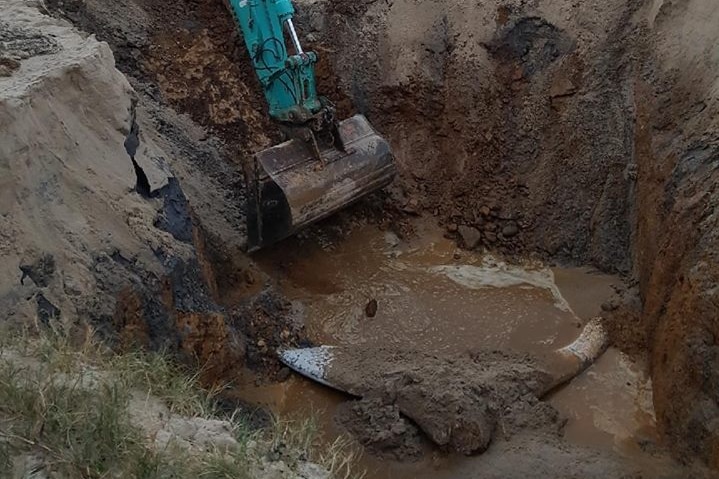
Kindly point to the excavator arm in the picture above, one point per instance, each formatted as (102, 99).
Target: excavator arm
(288, 80)
(326, 164)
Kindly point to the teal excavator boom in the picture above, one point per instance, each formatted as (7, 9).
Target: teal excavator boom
(325, 164)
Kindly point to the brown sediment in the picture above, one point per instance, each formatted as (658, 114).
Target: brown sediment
(217, 350)
(379, 426)
(462, 401)
(458, 401)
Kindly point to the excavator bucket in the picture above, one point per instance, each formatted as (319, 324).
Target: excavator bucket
(290, 188)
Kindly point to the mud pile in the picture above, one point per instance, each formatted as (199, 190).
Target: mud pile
(379, 426)
(458, 401)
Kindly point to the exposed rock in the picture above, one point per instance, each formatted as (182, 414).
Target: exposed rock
(412, 207)
(562, 86)
(510, 230)
(470, 236)
(609, 306)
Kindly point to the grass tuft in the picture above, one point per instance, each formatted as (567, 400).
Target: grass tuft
(224, 466)
(78, 432)
(302, 436)
(166, 380)
(64, 411)
(340, 457)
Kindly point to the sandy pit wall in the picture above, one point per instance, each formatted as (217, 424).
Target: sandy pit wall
(91, 241)
(677, 227)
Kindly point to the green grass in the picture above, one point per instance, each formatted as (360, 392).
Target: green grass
(78, 432)
(177, 387)
(67, 405)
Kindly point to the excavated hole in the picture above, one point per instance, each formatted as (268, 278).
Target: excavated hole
(522, 131)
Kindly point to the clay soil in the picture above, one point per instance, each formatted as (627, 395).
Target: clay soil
(580, 133)
(460, 401)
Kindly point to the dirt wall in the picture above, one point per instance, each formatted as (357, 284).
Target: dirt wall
(511, 120)
(584, 132)
(677, 235)
(101, 229)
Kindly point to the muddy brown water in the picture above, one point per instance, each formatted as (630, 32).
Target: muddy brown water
(432, 296)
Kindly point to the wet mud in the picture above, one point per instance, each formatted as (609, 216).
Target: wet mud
(458, 401)
(523, 307)
(380, 427)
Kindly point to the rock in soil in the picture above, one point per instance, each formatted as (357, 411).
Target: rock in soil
(470, 236)
(510, 230)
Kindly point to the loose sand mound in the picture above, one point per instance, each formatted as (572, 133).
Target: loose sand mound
(88, 236)
(67, 207)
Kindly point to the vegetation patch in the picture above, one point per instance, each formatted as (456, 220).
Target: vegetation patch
(66, 411)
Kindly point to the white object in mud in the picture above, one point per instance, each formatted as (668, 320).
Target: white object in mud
(314, 363)
(590, 344)
(492, 273)
(310, 362)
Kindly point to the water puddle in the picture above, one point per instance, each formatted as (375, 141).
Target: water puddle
(609, 405)
(425, 297)
(433, 297)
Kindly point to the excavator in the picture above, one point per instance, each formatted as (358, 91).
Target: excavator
(325, 164)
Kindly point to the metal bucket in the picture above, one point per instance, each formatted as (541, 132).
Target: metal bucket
(290, 189)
